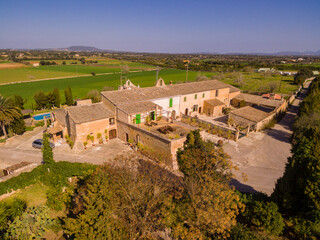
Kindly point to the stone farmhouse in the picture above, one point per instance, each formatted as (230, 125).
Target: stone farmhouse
(141, 115)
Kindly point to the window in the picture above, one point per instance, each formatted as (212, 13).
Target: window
(203, 95)
(138, 118)
(111, 121)
(170, 102)
(217, 93)
(185, 99)
(195, 96)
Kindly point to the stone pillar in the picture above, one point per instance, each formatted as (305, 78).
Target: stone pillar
(248, 130)
(237, 135)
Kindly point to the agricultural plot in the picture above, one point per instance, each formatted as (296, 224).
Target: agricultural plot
(259, 82)
(252, 82)
(28, 73)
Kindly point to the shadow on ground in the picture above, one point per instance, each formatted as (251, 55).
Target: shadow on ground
(280, 135)
(242, 187)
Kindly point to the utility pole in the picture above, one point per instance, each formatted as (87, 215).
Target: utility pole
(121, 78)
(157, 72)
(187, 71)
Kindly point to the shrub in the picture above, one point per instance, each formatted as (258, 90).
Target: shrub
(31, 224)
(55, 198)
(3, 140)
(39, 123)
(264, 216)
(29, 128)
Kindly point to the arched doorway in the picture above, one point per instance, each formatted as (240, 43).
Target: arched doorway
(173, 115)
(186, 111)
(200, 109)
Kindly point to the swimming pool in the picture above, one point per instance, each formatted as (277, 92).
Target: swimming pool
(41, 116)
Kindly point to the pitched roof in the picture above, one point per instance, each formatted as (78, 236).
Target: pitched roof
(149, 93)
(138, 107)
(88, 113)
(215, 102)
(250, 113)
(254, 99)
(60, 116)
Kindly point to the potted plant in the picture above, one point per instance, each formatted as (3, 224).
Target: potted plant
(92, 140)
(106, 138)
(99, 136)
(85, 145)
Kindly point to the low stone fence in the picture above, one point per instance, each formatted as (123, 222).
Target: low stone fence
(211, 127)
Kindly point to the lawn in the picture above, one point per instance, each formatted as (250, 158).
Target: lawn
(259, 82)
(253, 82)
(33, 195)
(30, 73)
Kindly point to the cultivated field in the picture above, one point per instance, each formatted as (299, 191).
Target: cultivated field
(21, 72)
(252, 82)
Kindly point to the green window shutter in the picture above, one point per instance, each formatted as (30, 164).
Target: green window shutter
(153, 115)
(138, 118)
(195, 96)
(185, 99)
(203, 95)
(170, 102)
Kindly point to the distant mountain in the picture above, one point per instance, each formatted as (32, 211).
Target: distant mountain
(83, 49)
(294, 53)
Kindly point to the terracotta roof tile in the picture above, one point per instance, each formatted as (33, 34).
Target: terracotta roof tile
(149, 93)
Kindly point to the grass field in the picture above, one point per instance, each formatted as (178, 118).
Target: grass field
(258, 82)
(82, 85)
(20, 74)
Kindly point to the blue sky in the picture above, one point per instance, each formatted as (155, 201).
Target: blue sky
(173, 26)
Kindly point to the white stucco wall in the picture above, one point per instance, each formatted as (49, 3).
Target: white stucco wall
(164, 103)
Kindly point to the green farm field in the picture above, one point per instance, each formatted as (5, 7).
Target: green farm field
(54, 71)
(80, 86)
(258, 82)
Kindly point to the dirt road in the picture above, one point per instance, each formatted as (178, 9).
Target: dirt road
(262, 156)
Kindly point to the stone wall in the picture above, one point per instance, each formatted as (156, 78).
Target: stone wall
(164, 148)
(210, 127)
(93, 128)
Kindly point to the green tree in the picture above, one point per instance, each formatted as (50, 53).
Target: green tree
(8, 112)
(57, 99)
(47, 154)
(94, 95)
(41, 100)
(32, 224)
(118, 203)
(68, 96)
(18, 126)
(214, 205)
(18, 101)
(264, 216)
(302, 75)
(297, 192)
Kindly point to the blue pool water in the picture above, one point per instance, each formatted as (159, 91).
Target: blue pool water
(41, 116)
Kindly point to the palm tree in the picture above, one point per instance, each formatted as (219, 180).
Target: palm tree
(8, 112)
